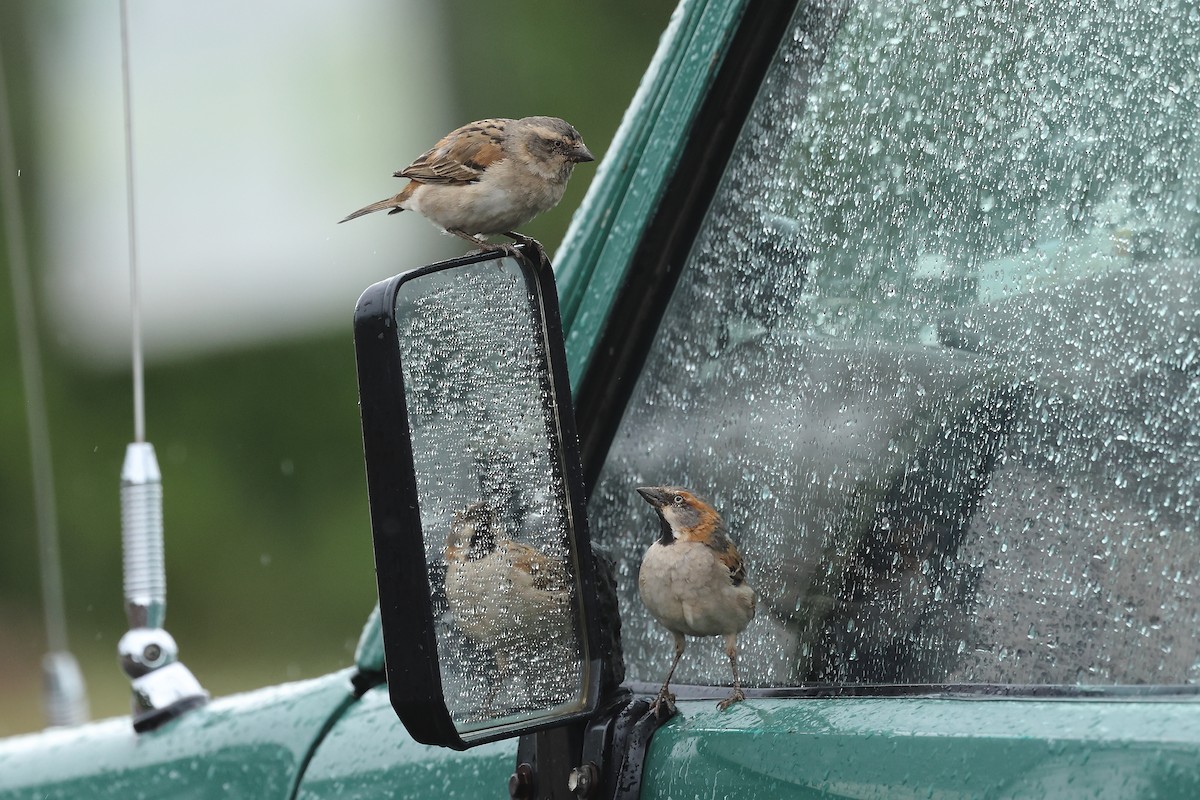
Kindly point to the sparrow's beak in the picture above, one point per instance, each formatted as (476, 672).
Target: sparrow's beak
(582, 154)
(653, 495)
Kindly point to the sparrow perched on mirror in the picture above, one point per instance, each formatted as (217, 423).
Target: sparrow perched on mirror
(504, 595)
(490, 176)
(693, 581)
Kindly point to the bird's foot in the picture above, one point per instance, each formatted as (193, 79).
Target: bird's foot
(737, 696)
(534, 251)
(521, 238)
(484, 246)
(509, 250)
(664, 705)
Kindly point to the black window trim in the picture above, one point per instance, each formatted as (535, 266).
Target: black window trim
(606, 386)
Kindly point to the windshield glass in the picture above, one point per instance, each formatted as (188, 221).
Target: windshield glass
(934, 356)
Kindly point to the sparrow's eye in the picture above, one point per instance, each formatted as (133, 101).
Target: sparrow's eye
(678, 500)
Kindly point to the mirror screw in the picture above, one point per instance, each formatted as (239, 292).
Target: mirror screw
(583, 780)
(520, 783)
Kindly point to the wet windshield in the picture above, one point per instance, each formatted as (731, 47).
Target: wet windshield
(934, 356)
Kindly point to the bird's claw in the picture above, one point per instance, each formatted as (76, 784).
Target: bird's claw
(531, 248)
(522, 239)
(509, 250)
(663, 706)
(737, 696)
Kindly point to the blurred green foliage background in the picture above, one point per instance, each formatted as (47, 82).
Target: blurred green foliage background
(268, 547)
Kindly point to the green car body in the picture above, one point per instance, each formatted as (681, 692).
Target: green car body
(325, 738)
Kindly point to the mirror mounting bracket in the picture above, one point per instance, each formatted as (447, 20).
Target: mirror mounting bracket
(613, 747)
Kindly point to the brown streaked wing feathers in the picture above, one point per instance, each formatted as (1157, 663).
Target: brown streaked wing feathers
(461, 156)
(733, 560)
(548, 573)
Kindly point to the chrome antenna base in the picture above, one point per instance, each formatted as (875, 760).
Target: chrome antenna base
(163, 688)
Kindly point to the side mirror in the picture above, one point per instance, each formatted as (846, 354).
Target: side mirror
(482, 555)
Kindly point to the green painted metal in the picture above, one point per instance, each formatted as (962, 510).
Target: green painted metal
(368, 655)
(369, 755)
(836, 748)
(928, 748)
(600, 242)
(248, 745)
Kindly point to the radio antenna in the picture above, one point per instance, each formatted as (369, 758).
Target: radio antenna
(139, 384)
(163, 688)
(64, 695)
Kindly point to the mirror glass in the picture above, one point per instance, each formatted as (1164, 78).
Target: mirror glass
(494, 509)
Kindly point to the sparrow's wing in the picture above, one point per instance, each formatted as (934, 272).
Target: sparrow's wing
(546, 573)
(737, 568)
(462, 156)
(727, 554)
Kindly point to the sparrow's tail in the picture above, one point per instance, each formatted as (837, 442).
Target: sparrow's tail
(391, 203)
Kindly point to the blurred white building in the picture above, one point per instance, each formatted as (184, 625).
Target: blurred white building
(256, 127)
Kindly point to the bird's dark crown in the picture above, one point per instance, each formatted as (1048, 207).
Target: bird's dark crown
(554, 141)
(553, 128)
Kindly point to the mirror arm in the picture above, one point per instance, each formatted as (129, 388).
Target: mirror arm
(545, 760)
(598, 760)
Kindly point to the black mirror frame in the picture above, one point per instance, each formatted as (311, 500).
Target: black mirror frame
(413, 669)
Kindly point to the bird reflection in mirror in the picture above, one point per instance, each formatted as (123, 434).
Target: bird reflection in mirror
(510, 598)
(693, 580)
